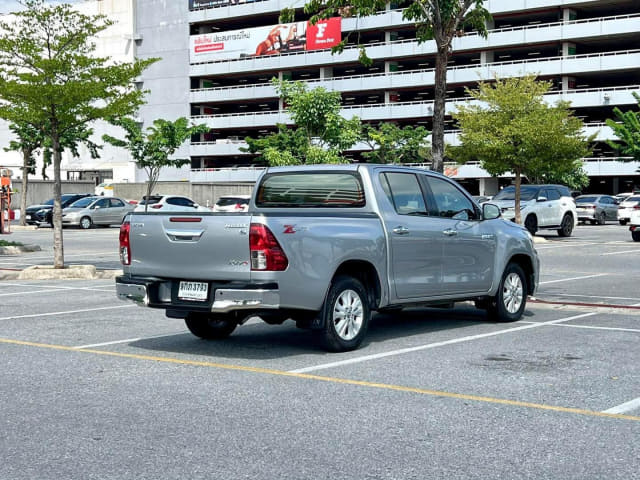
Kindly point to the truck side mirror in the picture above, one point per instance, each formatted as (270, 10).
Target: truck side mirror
(490, 211)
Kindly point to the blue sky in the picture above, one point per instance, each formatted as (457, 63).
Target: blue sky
(8, 6)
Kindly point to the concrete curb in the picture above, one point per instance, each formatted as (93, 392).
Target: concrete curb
(539, 239)
(19, 249)
(71, 272)
(22, 228)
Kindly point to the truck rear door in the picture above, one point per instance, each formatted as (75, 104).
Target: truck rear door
(190, 246)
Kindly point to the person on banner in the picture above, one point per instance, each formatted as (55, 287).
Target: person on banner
(272, 44)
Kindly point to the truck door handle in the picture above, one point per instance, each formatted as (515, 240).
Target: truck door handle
(401, 230)
(450, 232)
(184, 235)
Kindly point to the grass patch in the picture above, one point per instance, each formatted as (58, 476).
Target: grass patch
(4, 243)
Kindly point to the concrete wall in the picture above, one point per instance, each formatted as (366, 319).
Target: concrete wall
(203, 193)
(39, 191)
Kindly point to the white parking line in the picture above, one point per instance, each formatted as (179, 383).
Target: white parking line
(573, 278)
(97, 288)
(625, 407)
(66, 312)
(637, 250)
(376, 356)
(584, 295)
(28, 292)
(589, 327)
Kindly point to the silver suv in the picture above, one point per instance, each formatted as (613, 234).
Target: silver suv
(541, 207)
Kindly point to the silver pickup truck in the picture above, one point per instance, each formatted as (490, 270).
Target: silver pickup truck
(326, 246)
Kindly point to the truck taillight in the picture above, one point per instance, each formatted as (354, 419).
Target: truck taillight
(125, 247)
(266, 253)
(156, 205)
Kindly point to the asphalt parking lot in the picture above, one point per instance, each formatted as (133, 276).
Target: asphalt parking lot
(95, 388)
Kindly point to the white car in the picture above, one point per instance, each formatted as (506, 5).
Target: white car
(232, 203)
(541, 207)
(169, 203)
(627, 207)
(634, 225)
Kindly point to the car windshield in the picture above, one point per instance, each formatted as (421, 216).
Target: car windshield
(509, 193)
(586, 199)
(632, 199)
(82, 203)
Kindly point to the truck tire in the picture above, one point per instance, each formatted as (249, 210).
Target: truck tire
(531, 224)
(511, 299)
(636, 236)
(566, 227)
(345, 315)
(211, 326)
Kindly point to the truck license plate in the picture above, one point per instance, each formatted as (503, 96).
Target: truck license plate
(193, 291)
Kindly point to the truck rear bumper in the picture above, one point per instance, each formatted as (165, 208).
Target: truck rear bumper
(158, 293)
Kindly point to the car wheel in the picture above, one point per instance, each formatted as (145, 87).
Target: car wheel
(636, 236)
(622, 222)
(602, 219)
(566, 227)
(345, 315)
(509, 302)
(85, 223)
(211, 326)
(531, 224)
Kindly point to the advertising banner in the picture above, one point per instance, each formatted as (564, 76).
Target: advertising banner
(269, 40)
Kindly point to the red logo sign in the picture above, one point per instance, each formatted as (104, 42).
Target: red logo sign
(324, 34)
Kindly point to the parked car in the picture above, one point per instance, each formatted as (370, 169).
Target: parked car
(232, 203)
(621, 197)
(105, 189)
(627, 207)
(596, 208)
(169, 203)
(90, 211)
(43, 214)
(634, 225)
(541, 207)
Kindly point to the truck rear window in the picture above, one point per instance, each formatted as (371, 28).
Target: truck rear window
(310, 189)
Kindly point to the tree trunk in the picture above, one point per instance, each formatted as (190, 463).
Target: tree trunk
(439, 105)
(26, 156)
(517, 196)
(58, 245)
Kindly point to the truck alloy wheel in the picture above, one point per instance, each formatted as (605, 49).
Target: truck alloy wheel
(345, 315)
(509, 303)
(566, 227)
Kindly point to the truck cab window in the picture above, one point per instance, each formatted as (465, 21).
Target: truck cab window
(450, 201)
(403, 189)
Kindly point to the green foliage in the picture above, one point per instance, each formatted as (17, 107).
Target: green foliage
(152, 148)
(5, 243)
(51, 79)
(29, 141)
(512, 129)
(320, 133)
(626, 127)
(392, 144)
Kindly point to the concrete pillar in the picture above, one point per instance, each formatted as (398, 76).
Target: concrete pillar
(568, 83)
(569, 15)
(568, 48)
(486, 57)
(326, 72)
(488, 186)
(390, 67)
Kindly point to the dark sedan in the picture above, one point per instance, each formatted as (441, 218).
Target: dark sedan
(596, 208)
(43, 214)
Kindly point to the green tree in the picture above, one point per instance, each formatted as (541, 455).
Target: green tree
(320, 134)
(512, 129)
(392, 144)
(51, 78)
(438, 20)
(626, 127)
(28, 141)
(152, 148)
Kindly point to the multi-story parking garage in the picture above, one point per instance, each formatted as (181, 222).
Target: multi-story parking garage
(586, 48)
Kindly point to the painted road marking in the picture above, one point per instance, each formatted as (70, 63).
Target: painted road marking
(637, 250)
(574, 278)
(343, 381)
(66, 312)
(376, 356)
(590, 327)
(625, 407)
(585, 296)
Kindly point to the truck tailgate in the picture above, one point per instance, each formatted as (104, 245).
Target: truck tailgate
(194, 247)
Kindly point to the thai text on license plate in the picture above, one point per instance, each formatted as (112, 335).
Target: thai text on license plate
(193, 291)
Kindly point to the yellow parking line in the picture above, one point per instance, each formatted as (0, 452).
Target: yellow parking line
(344, 381)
